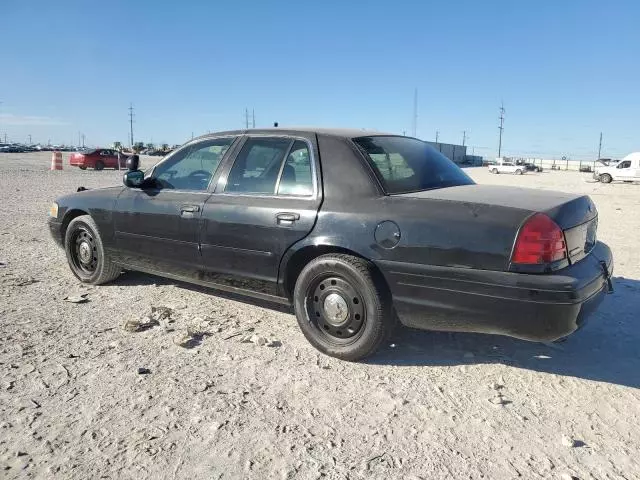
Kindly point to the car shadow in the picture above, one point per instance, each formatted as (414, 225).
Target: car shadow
(606, 349)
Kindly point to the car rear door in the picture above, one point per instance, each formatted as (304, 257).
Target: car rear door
(158, 227)
(266, 200)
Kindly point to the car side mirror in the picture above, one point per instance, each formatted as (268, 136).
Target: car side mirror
(133, 178)
(133, 162)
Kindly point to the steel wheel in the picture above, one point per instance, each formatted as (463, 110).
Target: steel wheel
(343, 306)
(84, 252)
(336, 308)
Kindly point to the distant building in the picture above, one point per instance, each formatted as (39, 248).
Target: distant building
(457, 153)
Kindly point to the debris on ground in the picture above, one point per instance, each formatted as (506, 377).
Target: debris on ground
(161, 313)
(82, 298)
(141, 325)
(143, 371)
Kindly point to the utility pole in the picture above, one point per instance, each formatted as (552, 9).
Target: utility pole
(79, 138)
(29, 139)
(437, 133)
(501, 127)
(246, 118)
(131, 115)
(600, 147)
(83, 140)
(253, 123)
(415, 112)
(464, 137)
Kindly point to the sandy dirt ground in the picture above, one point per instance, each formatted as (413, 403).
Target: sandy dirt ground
(427, 406)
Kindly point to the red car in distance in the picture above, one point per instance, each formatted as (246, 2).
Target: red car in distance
(98, 159)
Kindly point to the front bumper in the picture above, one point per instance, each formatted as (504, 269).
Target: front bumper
(530, 307)
(55, 228)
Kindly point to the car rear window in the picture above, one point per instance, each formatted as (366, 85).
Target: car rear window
(406, 165)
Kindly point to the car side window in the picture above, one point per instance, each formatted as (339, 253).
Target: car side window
(296, 178)
(625, 164)
(192, 167)
(257, 166)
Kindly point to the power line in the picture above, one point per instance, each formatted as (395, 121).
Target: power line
(501, 127)
(415, 112)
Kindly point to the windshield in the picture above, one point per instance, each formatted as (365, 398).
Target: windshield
(406, 165)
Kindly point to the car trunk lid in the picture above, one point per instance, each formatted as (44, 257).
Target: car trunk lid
(576, 215)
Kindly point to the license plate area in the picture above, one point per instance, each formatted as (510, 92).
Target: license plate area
(581, 239)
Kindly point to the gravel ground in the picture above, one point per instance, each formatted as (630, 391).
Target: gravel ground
(217, 403)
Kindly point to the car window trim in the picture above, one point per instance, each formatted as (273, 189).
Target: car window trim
(312, 161)
(282, 164)
(208, 189)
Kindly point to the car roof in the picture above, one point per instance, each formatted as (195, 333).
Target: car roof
(336, 132)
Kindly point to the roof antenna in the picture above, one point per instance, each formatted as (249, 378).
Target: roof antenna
(275, 124)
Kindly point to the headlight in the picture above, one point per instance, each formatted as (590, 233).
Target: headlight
(53, 210)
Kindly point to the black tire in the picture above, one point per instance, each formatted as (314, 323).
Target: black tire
(518, 172)
(81, 239)
(99, 165)
(83, 168)
(369, 316)
(606, 178)
(495, 170)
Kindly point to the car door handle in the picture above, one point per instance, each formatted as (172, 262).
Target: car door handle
(189, 209)
(287, 218)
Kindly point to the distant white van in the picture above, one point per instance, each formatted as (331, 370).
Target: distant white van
(626, 170)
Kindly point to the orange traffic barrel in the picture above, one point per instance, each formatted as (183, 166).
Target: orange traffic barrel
(56, 160)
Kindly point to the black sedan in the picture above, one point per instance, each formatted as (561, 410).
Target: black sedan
(354, 229)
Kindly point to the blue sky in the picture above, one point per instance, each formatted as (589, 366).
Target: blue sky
(566, 70)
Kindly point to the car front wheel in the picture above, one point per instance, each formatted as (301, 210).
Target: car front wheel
(495, 170)
(83, 168)
(343, 306)
(85, 252)
(518, 172)
(606, 178)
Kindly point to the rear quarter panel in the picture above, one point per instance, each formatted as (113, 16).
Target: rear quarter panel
(432, 231)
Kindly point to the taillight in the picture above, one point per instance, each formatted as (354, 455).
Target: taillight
(540, 241)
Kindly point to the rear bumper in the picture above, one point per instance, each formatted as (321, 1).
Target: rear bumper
(530, 307)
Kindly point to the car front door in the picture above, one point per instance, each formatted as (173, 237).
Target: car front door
(624, 171)
(157, 227)
(266, 200)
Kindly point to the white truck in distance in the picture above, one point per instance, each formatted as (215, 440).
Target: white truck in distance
(505, 166)
(626, 170)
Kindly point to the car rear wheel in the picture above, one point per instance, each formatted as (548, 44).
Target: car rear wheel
(495, 170)
(343, 306)
(606, 178)
(85, 252)
(83, 168)
(99, 165)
